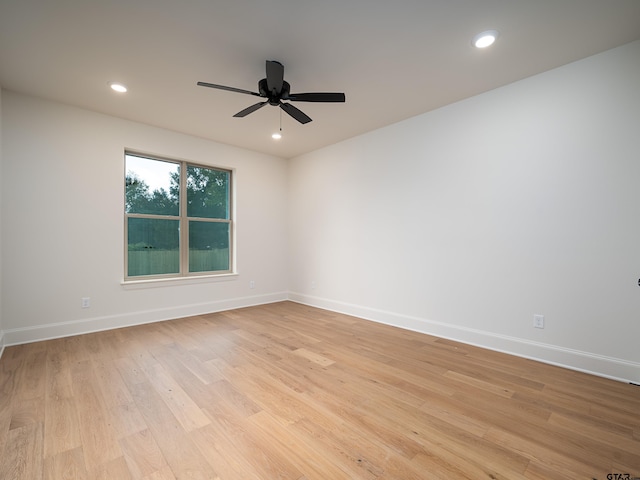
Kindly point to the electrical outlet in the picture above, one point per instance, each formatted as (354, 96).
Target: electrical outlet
(252, 284)
(313, 285)
(85, 302)
(538, 321)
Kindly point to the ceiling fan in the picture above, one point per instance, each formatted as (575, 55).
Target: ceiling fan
(275, 90)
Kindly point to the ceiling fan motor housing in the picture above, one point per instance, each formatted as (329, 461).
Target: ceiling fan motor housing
(274, 97)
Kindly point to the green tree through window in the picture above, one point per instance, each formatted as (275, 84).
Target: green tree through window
(165, 237)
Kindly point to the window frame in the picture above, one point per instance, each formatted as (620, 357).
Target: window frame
(183, 223)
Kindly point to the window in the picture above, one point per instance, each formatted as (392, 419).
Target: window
(177, 218)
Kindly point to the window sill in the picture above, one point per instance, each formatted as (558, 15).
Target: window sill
(169, 282)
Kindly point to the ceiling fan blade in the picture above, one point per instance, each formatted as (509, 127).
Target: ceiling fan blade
(230, 89)
(251, 109)
(317, 97)
(299, 115)
(275, 76)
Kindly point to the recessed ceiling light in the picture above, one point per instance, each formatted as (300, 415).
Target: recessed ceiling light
(118, 87)
(485, 39)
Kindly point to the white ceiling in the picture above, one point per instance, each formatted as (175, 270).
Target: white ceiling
(393, 60)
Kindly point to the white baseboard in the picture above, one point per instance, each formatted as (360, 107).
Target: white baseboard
(609, 367)
(38, 333)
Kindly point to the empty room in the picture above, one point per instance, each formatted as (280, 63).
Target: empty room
(319, 240)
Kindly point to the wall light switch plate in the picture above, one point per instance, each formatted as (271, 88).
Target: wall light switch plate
(538, 321)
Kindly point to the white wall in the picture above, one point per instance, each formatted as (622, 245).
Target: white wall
(466, 221)
(62, 223)
(462, 222)
(1, 203)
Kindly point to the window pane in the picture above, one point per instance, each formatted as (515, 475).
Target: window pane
(208, 246)
(152, 186)
(207, 192)
(153, 246)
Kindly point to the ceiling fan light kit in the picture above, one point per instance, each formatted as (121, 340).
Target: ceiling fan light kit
(274, 89)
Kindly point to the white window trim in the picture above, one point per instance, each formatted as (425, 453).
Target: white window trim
(174, 281)
(184, 277)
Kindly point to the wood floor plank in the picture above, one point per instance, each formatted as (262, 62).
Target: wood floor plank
(226, 459)
(229, 436)
(32, 382)
(58, 372)
(314, 357)
(62, 426)
(279, 441)
(22, 458)
(490, 387)
(205, 372)
(116, 468)
(287, 391)
(371, 427)
(99, 442)
(10, 365)
(245, 403)
(176, 447)
(113, 390)
(188, 413)
(442, 463)
(359, 457)
(142, 454)
(165, 474)
(200, 392)
(268, 393)
(27, 412)
(562, 465)
(595, 441)
(66, 465)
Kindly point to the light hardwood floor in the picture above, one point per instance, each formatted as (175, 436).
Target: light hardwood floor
(285, 391)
